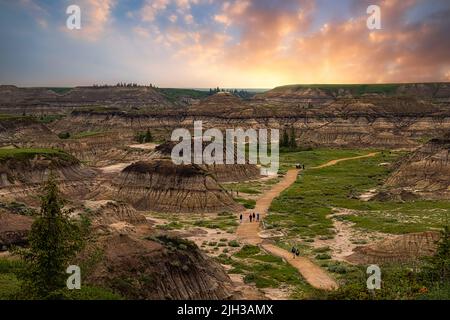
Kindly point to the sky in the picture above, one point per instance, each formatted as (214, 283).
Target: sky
(230, 44)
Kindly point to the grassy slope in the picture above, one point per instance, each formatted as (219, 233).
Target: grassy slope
(28, 153)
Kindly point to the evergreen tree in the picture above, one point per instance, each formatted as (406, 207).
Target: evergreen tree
(285, 139)
(292, 141)
(148, 136)
(53, 241)
(437, 267)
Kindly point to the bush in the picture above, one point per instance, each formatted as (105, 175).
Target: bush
(323, 256)
(64, 135)
(233, 243)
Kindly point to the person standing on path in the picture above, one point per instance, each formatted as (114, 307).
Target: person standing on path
(293, 250)
(240, 218)
(254, 219)
(250, 217)
(297, 252)
(257, 216)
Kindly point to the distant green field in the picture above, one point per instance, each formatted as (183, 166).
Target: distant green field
(28, 153)
(175, 94)
(59, 90)
(11, 117)
(85, 134)
(356, 89)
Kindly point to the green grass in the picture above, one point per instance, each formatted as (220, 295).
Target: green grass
(174, 95)
(13, 117)
(29, 153)
(312, 158)
(356, 89)
(303, 208)
(247, 203)
(49, 118)
(85, 134)
(59, 90)
(10, 287)
(266, 271)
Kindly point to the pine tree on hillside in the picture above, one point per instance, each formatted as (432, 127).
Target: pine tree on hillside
(285, 139)
(53, 241)
(148, 136)
(292, 141)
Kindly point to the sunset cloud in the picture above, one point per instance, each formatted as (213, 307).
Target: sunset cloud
(262, 43)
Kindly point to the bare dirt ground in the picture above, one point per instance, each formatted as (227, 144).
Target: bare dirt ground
(347, 238)
(144, 146)
(115, 168)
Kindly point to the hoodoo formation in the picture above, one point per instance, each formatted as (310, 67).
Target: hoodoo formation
(403, 248)
(426, 171)
(159, 268)
(160, 185)
(24, 171)
(222, 172)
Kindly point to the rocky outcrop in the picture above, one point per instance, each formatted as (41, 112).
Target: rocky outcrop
(14, 229)
(426, 171)
(20, 130)
(160, 185)
(403, 248)
(23, 172)
(221, 172)
(160, 268)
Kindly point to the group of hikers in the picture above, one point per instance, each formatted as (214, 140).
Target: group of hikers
(251, 217)
(300, 166)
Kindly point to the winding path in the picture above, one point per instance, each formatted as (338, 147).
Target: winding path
(248, 232)
(333, 162)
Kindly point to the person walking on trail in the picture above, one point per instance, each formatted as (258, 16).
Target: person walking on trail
(257, 216)
(240, 218)
(303, 167)
(293, 250)
(297, 252)
(254, 217)
(250, 217)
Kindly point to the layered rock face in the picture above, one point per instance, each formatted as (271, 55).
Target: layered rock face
(403, 248)
(23, 130)
(162, 186)
(23, 175)
(426, 171)
(14, 229)
(165, 268)
(33, 100)
(341, 116)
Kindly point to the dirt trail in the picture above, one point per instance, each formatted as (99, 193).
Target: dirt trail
(312, 273)
(333, 162)
(248, 232)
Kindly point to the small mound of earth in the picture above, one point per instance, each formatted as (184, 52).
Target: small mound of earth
(163, 268)
(110, 212)
(162, 186)
(403, 248)
(14, 230)
(398, 195)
